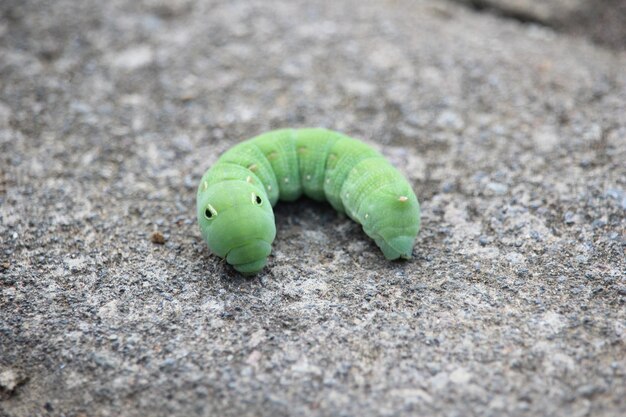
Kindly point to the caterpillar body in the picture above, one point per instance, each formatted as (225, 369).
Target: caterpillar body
(236, 195)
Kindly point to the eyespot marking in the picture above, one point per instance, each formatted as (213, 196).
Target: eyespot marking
(403, 199)
(209, 212)
(256, 199)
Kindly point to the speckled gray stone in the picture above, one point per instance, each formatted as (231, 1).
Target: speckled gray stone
(541, 10)
(602, 21)
(513, 136)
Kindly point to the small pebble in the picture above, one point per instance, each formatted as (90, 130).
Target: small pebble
(157, 237)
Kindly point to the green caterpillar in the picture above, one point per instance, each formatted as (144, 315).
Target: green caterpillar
(236, 195)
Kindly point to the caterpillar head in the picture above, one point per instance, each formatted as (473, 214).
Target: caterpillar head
(237, 223)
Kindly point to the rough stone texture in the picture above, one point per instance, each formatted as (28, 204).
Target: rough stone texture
(513, 136)
(599, 20)
(542, 10)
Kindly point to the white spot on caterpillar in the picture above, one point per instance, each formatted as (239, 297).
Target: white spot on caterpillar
(366, 215)
(205, 185)
(252, 167)
(249, 179)
(328, 181)
(308, 178)
(286, 180)
(347, 195)
(403, 199)
(269, 187)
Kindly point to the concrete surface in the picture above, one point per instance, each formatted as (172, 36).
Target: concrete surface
(601, 21)
(513, 135)
(538, 10)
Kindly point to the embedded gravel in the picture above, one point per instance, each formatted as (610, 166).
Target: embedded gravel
(513, 136)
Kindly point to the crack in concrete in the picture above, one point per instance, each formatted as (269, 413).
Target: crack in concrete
(508, 12)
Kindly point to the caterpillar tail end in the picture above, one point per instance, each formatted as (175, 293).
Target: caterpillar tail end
(400, 247)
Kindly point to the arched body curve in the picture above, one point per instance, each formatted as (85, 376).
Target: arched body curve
(236, 195)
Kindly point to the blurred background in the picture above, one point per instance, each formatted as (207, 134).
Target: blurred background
(508, 117)
(601, 21)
